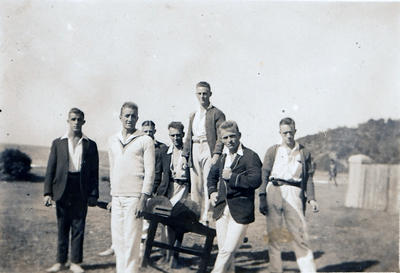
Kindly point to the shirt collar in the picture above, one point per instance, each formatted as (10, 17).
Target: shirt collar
(239, 150)
(295, 148)
(137, 133)
(170, 149)
(201, 109)
(66, 136)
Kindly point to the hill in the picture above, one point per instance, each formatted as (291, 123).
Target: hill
(377, 139)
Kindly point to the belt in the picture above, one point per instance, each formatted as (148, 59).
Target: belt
(74, 173)
(199, 140)
(180, 181)
(279, 182)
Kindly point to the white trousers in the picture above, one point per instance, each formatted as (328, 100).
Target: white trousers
(230, 235)
(126, 231)
(198, 175)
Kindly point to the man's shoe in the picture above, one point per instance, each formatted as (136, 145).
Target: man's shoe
(107, 252)
(76, 268)
(56, 267)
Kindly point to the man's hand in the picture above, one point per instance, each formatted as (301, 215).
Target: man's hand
(263, 205)
(47, 201)
(92, 201)
(214, 159)
(227, 173)
(141, 205)
(109, 205)
(213, 198)
(314, 205)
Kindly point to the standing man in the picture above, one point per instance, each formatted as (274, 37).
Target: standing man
(332, 171)
(72, 181)
(238, 173)
(202, 146)
(132, 160)
(287, 184)
(175, 182)
(149, 128)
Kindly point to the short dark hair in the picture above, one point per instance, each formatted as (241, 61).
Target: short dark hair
(204, 84)
(176, 125)
(131, 105)
(229, 124)
(77, 111)
(287, 121)
(149, 123)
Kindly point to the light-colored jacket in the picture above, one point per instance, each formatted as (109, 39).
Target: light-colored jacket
(131, 164)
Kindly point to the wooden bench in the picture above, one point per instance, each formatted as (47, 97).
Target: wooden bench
(180, 226)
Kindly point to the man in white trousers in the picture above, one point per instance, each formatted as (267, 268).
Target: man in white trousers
(132, 161)
(231, 184)
(286, 187)
(202, 146)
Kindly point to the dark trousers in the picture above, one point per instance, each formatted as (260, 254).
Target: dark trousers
(71, 216)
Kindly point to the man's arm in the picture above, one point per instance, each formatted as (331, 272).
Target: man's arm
(158, 167)
(51, 170)
(219, 146)
(268, 163)
(94, 177)
(188, 139)
(212, 182)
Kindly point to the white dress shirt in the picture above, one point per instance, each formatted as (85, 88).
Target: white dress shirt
(75, 154)
(199, 122)
(287, 164)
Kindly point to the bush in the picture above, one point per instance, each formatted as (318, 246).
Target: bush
(14, 165)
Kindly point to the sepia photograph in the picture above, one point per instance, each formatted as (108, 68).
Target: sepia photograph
(199, 136)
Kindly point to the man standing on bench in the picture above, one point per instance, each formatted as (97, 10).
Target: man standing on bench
(238, 172)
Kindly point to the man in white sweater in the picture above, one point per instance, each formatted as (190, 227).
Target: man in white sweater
(132, 160)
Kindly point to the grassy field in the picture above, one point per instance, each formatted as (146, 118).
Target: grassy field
(342, 239)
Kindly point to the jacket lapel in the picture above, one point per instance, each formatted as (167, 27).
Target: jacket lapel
(85, 148)
(64, 149)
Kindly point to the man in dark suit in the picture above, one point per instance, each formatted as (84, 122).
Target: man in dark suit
(72, 182)
(238, 173)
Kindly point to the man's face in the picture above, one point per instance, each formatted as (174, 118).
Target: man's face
(231, 139)
(287, 133)
(128, 118)
(203, 94)
(176, 137)
(75, 122)
(149, 130)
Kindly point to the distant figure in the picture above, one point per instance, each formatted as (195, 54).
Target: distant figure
(72, 180)
(286, 186)
(202, 146)
(132, 161)
(332, 171)
(175, 182)
(231, 184)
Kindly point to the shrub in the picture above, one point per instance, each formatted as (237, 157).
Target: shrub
(14, 165)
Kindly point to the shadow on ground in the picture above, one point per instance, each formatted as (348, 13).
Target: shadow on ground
(349, 266)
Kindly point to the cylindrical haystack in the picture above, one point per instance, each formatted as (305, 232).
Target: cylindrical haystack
(372, 186)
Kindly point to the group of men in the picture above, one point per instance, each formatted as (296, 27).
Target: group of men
(211, 163)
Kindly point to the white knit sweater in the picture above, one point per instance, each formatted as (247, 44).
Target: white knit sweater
(131, 164)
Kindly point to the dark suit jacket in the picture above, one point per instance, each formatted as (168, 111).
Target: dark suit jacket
(159, 149)
(57, 170)
(307, 183)
(166, 177)
(239, 190)
(214, 117)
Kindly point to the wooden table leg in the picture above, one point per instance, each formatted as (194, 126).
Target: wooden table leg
(149, 242)
(206, 253)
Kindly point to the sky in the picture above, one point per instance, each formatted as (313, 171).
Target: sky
(325, 64)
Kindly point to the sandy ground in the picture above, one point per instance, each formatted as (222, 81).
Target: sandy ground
(342, 239)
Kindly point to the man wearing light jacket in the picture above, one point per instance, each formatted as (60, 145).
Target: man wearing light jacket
(132, 161)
